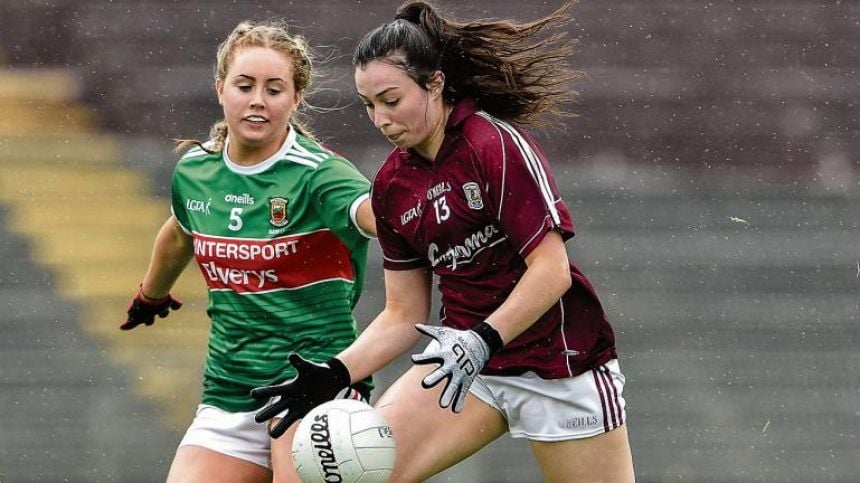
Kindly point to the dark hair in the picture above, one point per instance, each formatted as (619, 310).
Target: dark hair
(514, 71)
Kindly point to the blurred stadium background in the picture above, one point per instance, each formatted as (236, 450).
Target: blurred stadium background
(713, 174)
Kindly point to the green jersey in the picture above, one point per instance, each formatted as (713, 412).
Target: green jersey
(283, 258)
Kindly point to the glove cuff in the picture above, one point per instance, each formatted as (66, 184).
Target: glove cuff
(341, 373)
(149, 300)
(489, 335)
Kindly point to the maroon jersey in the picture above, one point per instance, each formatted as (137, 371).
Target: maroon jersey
(473, 215)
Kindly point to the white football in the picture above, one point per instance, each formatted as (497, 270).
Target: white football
(345, 441)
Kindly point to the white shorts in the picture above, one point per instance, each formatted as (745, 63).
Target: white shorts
(557, 409)
(236, 434)
(232, 434)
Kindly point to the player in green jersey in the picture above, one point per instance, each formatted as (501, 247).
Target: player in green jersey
(279, 228)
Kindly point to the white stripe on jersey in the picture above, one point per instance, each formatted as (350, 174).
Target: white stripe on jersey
(504, 160)
(567, 350)
(538, 232)
(282, 289)
(402, 261)
(353, 214)
(307, 162)
(536, 169)
(181, 226)
(193, 152)
(532, 163)
(298, 149)
(233, 238)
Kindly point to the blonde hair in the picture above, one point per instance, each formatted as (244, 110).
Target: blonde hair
(272, 34)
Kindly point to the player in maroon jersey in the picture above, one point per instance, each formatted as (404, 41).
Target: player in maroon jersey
(524, 346)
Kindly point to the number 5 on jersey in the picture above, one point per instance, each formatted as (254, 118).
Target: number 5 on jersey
(442, 210)
(235, 220)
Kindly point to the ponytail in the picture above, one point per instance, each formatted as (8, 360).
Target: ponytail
(514, 71)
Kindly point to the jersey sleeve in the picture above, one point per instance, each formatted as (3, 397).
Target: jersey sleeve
(397, 254)
(177, 207)
(522, 192)
(338, 188)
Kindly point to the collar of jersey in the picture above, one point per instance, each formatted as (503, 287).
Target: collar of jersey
(463, 109)
(265, 164)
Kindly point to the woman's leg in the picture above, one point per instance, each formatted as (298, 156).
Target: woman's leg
(282, 456)
(603, 458)
(430, 439)
(222, 446)
(282, 448)
(193, 464)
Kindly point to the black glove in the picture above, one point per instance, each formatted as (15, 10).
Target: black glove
(142, 309)
(461, 354)
(313, 385)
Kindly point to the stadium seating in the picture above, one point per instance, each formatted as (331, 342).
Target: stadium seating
(90, 219)
(71, 411)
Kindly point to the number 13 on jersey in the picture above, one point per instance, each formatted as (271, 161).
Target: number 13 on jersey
(442, 210)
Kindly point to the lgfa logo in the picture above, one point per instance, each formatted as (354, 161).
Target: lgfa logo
(278, 211)
(198, 205)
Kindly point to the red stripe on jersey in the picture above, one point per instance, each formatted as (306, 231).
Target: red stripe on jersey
(253, 265)
(599, 387)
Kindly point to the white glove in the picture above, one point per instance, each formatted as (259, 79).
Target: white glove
(461, 354)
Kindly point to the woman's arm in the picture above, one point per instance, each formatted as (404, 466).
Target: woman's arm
(392, 332)
(365, 219)
(544, 282)
(460, 354)
(170, 255)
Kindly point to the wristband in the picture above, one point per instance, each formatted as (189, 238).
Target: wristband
(150, 300)
(489, 335)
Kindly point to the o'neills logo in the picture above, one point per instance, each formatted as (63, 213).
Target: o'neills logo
(322, 446)
(243, 199)
(278, 211)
